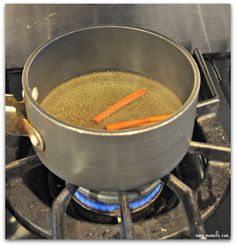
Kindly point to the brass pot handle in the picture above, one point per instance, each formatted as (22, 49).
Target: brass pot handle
(17, 124)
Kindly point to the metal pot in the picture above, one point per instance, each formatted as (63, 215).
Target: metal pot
(101, 160)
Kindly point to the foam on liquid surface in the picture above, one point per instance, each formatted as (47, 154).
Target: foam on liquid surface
(78, 100)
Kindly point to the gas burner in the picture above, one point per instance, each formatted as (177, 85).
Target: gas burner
(103, 206)
(108, 202)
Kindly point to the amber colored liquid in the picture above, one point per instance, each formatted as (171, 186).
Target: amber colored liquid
(78, 100)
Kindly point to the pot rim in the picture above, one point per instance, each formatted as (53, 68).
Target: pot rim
(125, 132)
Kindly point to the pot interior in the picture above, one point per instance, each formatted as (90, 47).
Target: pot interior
(79, 100)
(110, 49)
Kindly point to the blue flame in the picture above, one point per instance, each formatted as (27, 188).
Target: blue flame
(111, 207)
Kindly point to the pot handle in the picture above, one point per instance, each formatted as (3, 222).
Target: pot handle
(17, 124)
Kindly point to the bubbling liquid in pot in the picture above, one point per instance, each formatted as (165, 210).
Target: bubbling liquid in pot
(78, 100)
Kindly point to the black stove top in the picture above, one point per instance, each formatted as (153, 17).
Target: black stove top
(194, 202)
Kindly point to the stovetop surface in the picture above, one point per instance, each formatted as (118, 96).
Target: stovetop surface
(219, 68)
(220, 71)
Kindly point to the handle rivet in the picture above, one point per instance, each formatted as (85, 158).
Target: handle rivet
(119, 219)
(35, 93)
(34, 140)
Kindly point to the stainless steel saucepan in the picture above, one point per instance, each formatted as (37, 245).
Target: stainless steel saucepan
(102, 160)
